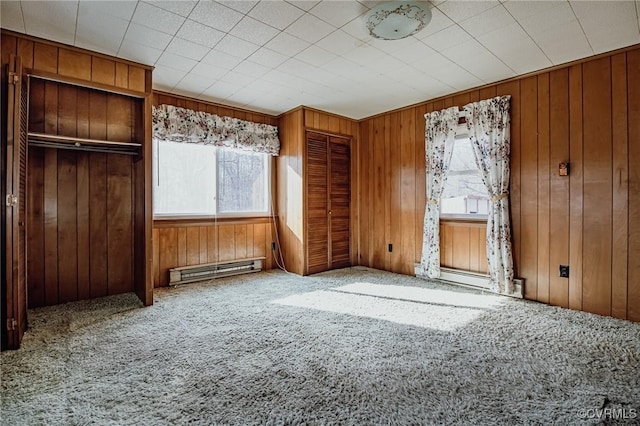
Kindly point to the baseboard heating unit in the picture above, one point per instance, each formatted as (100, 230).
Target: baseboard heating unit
(207, 271)
(472, 280)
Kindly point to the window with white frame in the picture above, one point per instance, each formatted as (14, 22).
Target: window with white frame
(203, 180)
(464, 192)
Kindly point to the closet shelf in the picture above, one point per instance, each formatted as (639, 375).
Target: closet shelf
(83, 144)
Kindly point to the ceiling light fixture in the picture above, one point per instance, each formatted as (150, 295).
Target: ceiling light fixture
(397, 20)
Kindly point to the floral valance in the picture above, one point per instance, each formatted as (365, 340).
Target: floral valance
(185, 125)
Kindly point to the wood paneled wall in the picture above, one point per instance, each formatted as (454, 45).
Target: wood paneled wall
(588, 114)
(186, 242)
(182, 244)
(464, 245)
(89, 220)
(80, 204)
(291, 197)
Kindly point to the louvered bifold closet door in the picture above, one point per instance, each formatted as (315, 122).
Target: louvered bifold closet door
(339, 202)
(317, 203)
(15, 297)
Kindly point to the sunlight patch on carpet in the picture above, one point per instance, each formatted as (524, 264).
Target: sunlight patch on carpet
(433, 309)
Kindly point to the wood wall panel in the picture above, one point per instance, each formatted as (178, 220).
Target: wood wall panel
(587, 114)
(81, 247)
(463, 245)
(633, 271)
(182, 244)
(596, 96)
(81, 203)
(558, 186)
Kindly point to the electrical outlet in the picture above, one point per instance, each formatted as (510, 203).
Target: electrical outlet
(390, 248)
(564, 271)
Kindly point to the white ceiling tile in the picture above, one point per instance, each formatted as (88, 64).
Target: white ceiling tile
(193, 83)
(199, 33)
(238, 79)
(366, 56)
(526, 9)
(221, 59)
(447, 38)
(267, 57)
(619, 35)
(521, 55)
(147, 36)
(276, 76)
(314, 55)
(295, 67)
(574, 43)
(338, 13)
(242, 6)
(156, 18)
(304, 4)
(439, 21)
(182, 7)
(122, 9)
(254, 31)
(310, 28)
(412, 52)
(287, 44)
(338, 42)
(357, 29)
(603, 13)
(167, 77)
(11, 16)
(548, 20)
(480, 62)
(102, 33)
(51, 20)
(210, 72)
(391, 46)
(428, 62)
(215, 15)
(277, 14)
(251, 68)
(236, 47)
(138, 52)
(187, 49)
(455, 76)
(487, 21)
(459, 10)
(220, 90)
(176, 61)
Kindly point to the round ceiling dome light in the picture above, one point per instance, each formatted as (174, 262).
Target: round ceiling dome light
(398, 19)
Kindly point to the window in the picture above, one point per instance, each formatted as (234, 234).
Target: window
(464, 193)
(202, 180)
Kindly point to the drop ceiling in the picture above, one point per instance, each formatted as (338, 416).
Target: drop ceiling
(271, 56)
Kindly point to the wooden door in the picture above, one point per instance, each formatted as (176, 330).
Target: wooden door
(16, 167)
(339, 203)
(328, 187)
(317, 203)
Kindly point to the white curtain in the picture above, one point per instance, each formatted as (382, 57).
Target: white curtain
(439, 138)
(488, 124)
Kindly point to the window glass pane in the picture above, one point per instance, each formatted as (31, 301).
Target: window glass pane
(184, 178)
(242, 181)
(464, 192)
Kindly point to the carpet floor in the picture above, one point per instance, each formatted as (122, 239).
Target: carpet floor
(353, 346)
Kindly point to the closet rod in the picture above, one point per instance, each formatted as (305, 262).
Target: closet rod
(68, 140)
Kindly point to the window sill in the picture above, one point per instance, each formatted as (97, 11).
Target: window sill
(186, 221)
(461, 220)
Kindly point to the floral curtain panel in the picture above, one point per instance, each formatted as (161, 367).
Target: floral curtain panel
(439, 138)
(184, 125)
(488, 123)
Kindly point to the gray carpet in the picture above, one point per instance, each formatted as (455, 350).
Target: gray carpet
(353, 346)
